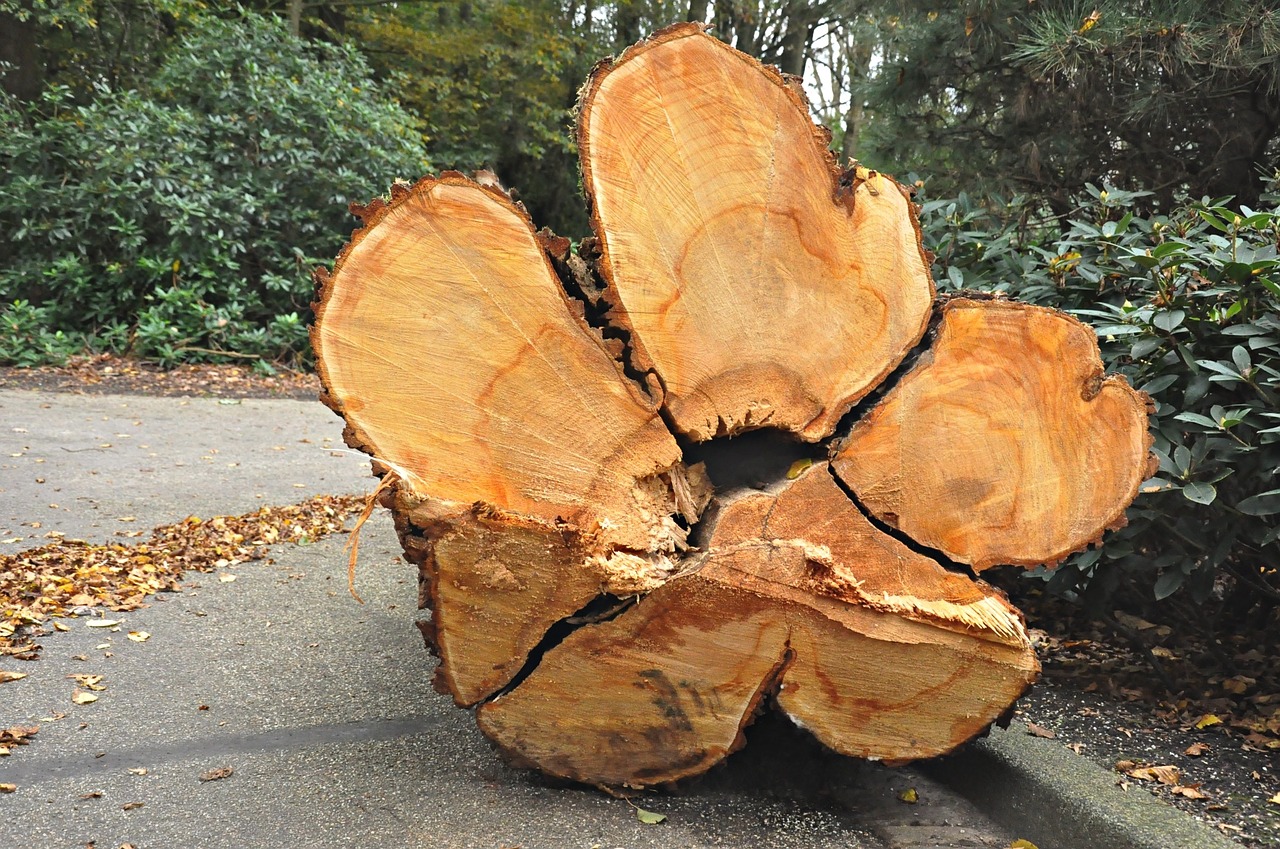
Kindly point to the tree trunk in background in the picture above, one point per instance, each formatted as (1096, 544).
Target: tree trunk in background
(795, 40)
(19, 47)
(859, 62)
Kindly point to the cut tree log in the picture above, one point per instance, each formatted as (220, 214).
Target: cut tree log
(996, 465)
(616, 612)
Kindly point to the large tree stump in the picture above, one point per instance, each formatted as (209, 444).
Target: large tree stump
(617, 613)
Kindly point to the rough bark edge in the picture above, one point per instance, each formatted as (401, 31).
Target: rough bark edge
(844, 186)
(965, 299)
(372, 214)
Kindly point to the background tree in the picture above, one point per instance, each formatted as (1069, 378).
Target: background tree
(495, 85)
(182, 220)
(1165, 96)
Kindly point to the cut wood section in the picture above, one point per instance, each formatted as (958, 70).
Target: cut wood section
(1005, 444)
(797, 599)
(450, 348)
(498, 584)
(760, 291)
(748, 284)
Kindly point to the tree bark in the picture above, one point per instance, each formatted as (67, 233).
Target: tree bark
(19, 48)
(615, 612)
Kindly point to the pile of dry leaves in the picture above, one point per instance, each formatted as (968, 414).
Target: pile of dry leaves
(1190, 680)
(1189, 715)
(65, 578)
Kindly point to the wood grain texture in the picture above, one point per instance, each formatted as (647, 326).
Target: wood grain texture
(664, 690)
(448, 345)
(498, 584)
(610, 617)
(759, 290)
(1005, 444)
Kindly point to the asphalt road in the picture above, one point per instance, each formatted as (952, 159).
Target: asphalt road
(322, 707)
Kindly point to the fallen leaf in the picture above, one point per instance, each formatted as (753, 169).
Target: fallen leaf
(1137, 623)
(129, 806)
(1040, 731)
(649, 817)
(1206, 721)
(1238, 685)
(1275, 800)
(1195, 750)
(1190, 792)
(93, 794)
(1078, 748)
(137, 770)
(8, 788)
(1163, 774)
(61, 626)
(1020, 843)
(139, 636)
(102, 623)
(1125, 766)
(798, 467)
(910, 796)
(80, 697)
(216, 774)
(11, 676)
(226, 579)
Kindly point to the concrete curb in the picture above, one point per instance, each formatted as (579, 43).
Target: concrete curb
(1059, 800)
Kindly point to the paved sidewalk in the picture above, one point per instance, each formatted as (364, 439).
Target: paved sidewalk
(323, 707)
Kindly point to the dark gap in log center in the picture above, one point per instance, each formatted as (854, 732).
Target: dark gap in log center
(602, 608)
(757, 459)
(889, 530)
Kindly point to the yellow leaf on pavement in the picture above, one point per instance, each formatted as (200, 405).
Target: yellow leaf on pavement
(910, 796)
(81, 697)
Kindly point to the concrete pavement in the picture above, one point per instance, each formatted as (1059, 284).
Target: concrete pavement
(323, 707)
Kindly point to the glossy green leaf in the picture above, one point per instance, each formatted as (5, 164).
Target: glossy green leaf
(1200, 493)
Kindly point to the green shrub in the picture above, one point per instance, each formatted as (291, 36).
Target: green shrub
(1188, 308)
(194, 210)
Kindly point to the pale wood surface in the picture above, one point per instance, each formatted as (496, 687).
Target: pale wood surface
(537, 482)
(498, 584)
(759, 291)
(1005, 444)
(665, 689)
(451, 349)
